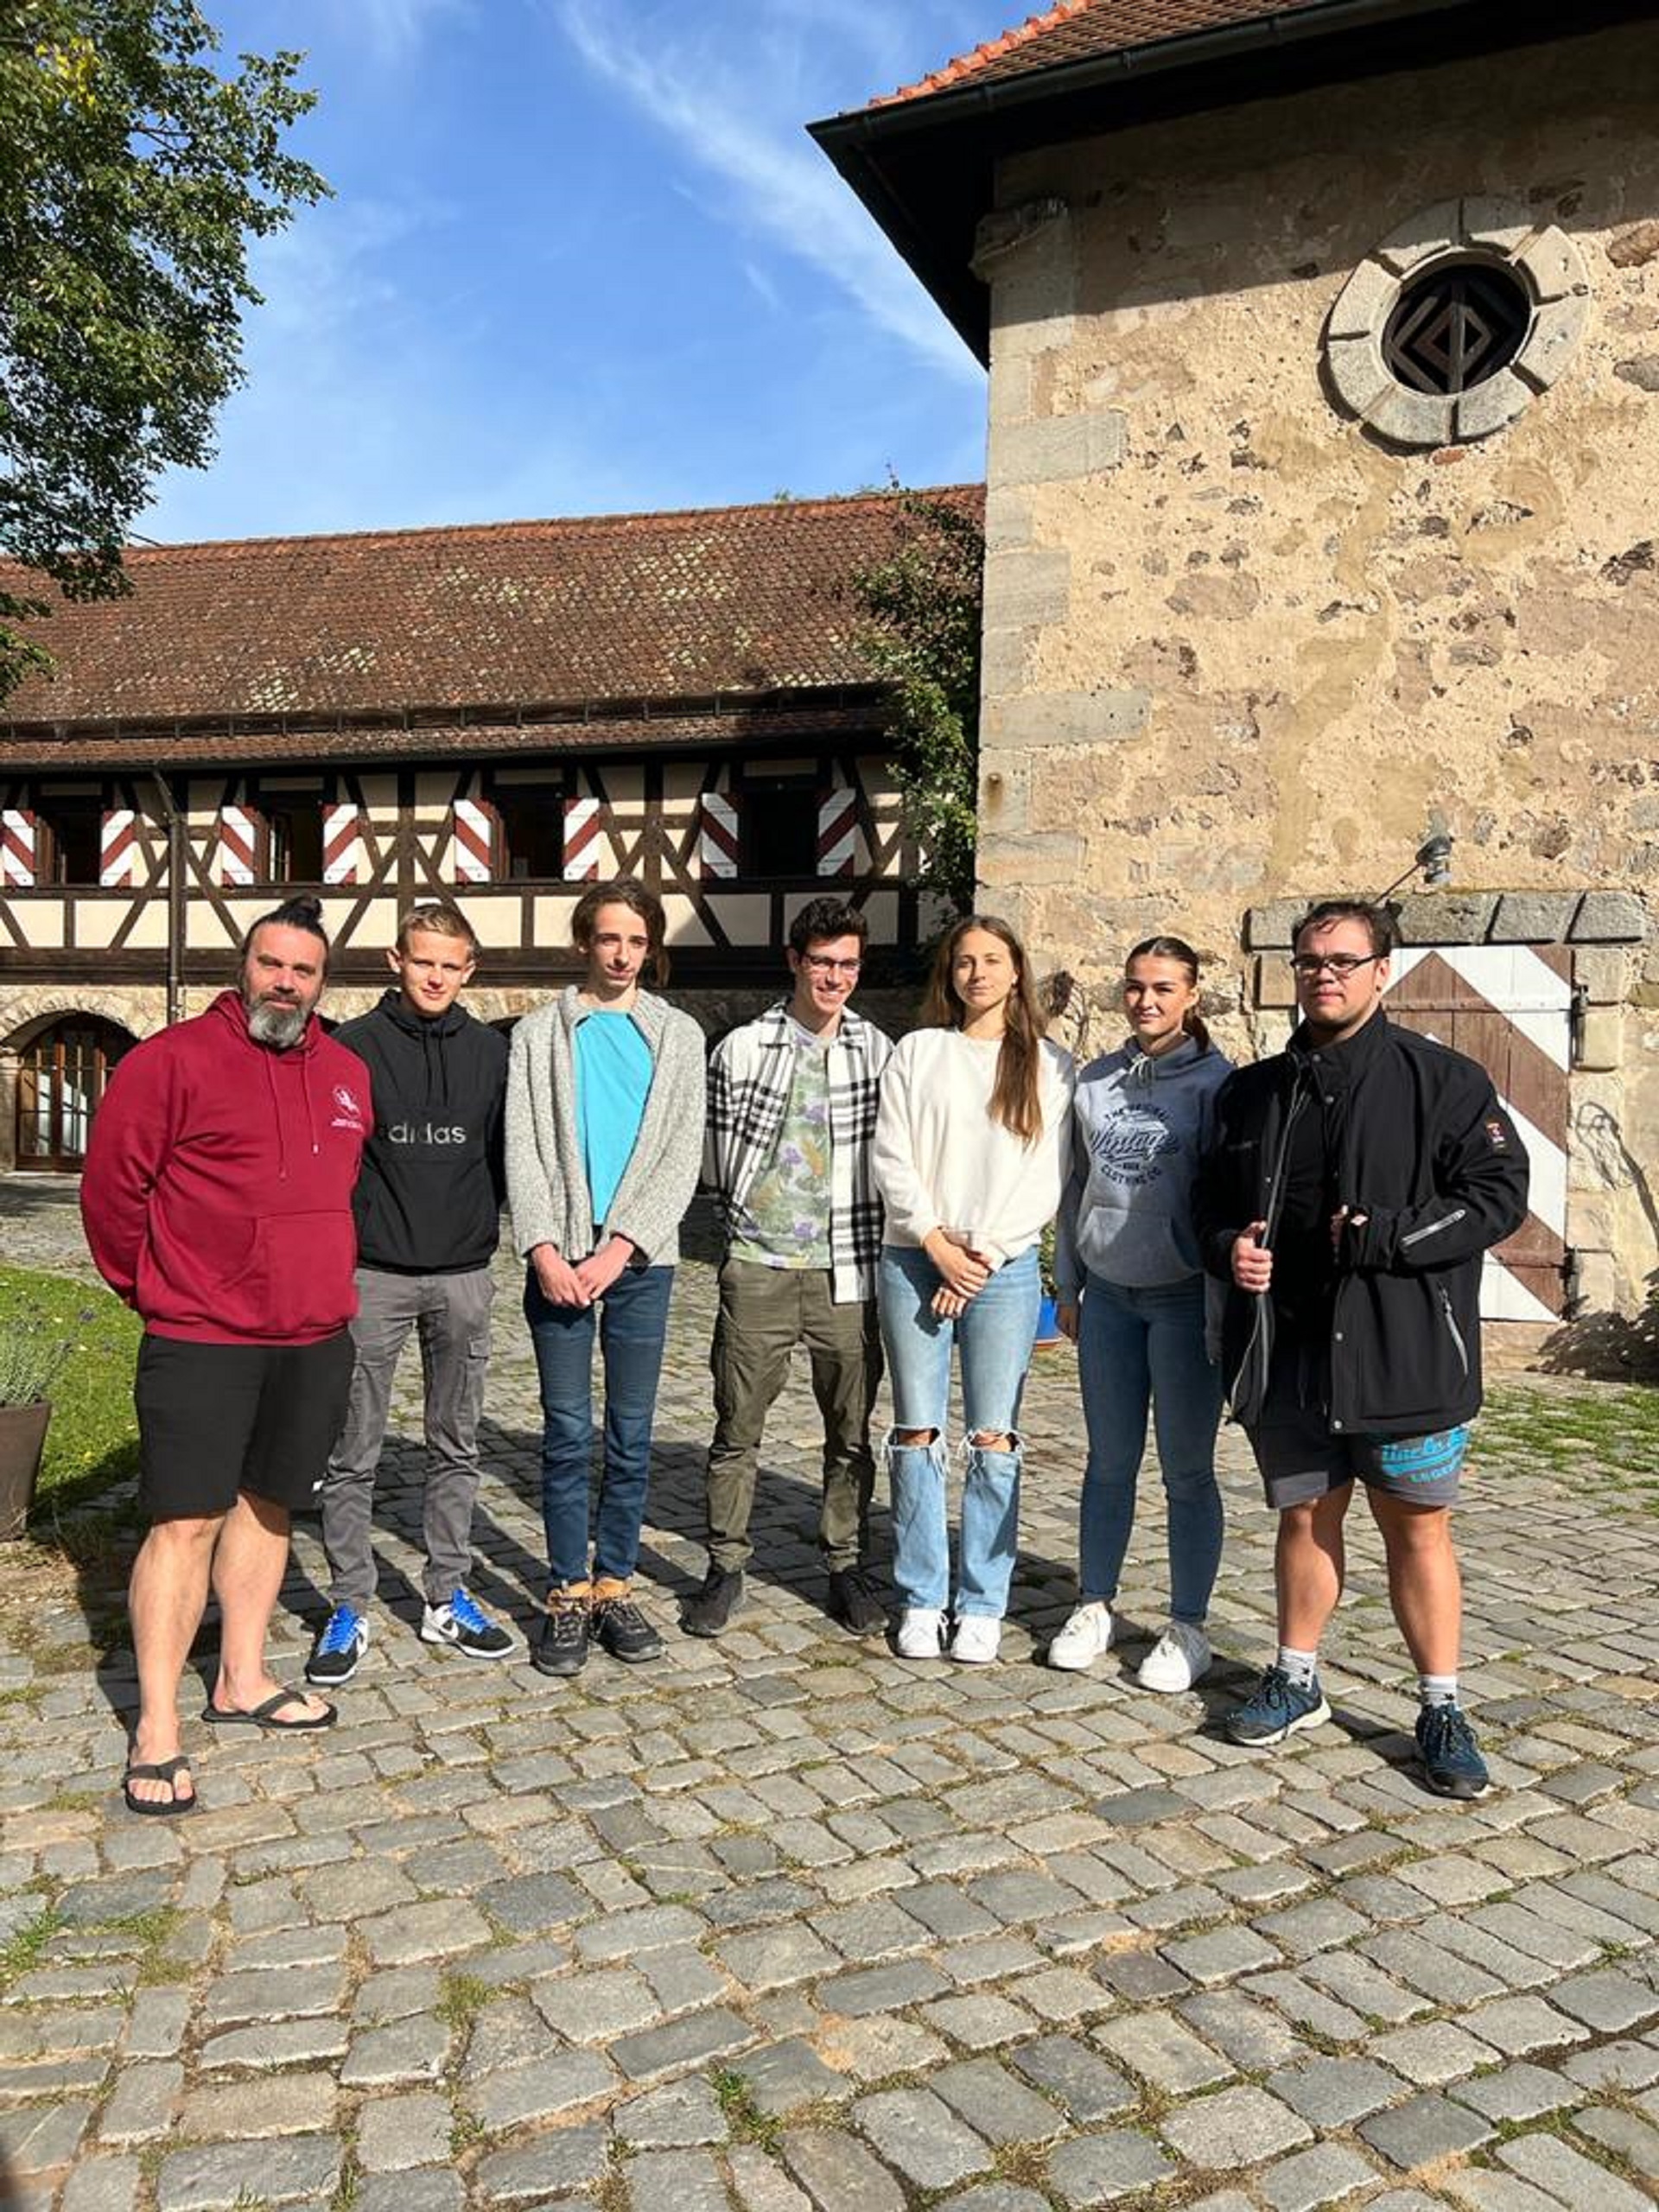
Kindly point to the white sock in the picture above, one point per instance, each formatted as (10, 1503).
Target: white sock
(1437, 1689)
(1302, 1667)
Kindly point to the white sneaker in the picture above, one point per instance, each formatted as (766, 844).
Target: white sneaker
(1085, 1638)
(1180, 1658)
(978, 1640)
(921, 1633)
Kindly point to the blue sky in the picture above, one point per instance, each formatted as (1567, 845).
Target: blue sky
(582, 257)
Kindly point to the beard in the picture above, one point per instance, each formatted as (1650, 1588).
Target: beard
(279, 1027)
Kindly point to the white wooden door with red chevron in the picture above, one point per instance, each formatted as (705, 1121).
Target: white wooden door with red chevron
(1511, 1007)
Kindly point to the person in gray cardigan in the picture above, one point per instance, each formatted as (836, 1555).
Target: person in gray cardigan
(604, 1138)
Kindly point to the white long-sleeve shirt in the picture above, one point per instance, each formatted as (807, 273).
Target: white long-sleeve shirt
(942, 1162)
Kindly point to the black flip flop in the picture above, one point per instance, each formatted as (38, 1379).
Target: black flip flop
(264, 1716)
(167, 1771)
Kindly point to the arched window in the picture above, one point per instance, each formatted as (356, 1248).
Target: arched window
(60, 1077)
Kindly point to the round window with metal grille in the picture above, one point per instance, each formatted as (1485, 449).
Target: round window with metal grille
(1455, 326)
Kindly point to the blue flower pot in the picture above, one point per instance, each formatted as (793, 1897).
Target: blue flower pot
(1048, 1331)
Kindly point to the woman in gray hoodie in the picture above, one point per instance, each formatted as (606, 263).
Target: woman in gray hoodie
(1132, 1299)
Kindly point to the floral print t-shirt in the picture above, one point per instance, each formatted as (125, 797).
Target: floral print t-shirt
(785, 1223)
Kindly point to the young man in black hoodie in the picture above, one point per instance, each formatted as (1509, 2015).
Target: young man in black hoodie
(1352, 1186)
(427, 1207)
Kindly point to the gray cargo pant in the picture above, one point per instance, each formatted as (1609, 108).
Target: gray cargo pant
(764, 1313)
(452, 1314)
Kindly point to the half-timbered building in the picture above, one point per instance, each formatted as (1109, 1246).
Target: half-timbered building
(501, 714)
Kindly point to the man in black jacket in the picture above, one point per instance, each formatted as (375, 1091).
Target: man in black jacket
(427, 1207)
(1353, 1184)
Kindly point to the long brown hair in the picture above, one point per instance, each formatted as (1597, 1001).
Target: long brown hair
(1017, 1098)
(1178, 950)
(624, 891)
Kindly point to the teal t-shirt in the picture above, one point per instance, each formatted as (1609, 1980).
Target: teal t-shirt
(613, 1084)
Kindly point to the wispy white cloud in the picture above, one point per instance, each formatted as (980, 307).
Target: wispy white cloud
(730, 91)
(396, 28)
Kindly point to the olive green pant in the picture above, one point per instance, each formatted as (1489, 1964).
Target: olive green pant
(764, 1313)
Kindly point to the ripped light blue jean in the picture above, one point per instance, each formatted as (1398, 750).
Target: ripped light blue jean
(993, 1339)
(1137, 1348)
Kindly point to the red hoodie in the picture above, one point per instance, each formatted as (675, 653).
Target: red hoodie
(216, 1196)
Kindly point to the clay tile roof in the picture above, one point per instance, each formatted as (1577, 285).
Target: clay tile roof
(1085, 30)
(616, 608)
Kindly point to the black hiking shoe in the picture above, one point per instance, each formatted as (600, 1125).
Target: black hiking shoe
(854, 1603)
(622, 1629)
(562, 1646)
(709, 1610)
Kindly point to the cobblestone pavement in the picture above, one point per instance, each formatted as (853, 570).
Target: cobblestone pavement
(783, 1924)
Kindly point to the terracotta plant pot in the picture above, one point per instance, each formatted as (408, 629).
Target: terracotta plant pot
(22, 1440)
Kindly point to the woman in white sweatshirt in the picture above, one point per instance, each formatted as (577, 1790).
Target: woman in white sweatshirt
(968, 1162)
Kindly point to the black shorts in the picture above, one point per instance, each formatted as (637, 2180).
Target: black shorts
(1299, 1459)
(215, 1420)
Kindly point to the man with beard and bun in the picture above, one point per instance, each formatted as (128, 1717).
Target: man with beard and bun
(217, 1201)
(428, 1217)
(1351, 1187)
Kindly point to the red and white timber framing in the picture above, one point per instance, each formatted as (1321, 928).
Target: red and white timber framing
(342, 843)
(473, 849)
(17, 850)
(117, 849)
(837, 833)
(717, 835)
(1511, 1007)
(584, 843)
(238, 844)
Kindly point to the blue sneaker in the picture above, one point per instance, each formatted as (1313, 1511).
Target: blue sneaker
(1277, 1709)
(335, 1655)
(1452, 1766)
(464, 1624)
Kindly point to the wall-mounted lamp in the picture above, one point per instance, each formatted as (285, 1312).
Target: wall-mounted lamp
(1432, 859)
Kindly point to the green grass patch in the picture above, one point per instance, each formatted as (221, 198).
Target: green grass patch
(24, 1947)
(744, 2117)
(1604, 1435)
(92, 1440)
(461, 1998)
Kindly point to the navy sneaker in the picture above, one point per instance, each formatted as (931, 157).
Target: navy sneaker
(1278, 1708)
(341, 1641)
(1452, 1766)
(463, 1624)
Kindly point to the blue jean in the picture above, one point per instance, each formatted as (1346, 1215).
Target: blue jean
(1136, 1348)
(992, 1339)
(631, 1322)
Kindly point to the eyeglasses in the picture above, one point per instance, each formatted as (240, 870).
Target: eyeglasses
(821, 964)
(1341, 964)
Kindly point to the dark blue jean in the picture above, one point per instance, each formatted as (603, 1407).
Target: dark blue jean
(631, 1323)
(1136, 1348)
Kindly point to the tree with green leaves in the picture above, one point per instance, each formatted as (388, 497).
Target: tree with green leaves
(133, 173)
(921, 634)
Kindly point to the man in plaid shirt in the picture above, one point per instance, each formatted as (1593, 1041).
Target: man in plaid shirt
(791, 1113)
